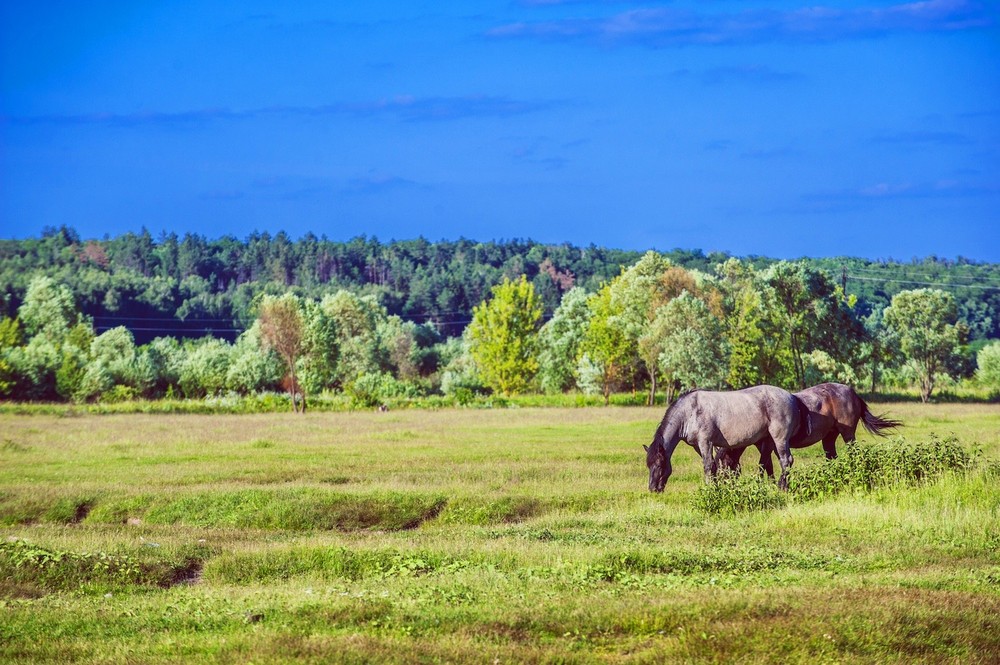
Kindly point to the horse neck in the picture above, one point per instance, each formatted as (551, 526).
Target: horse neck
(669, 431)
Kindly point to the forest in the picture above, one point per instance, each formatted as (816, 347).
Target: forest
(133, 316)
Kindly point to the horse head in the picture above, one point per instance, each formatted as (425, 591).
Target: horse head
(658, 465)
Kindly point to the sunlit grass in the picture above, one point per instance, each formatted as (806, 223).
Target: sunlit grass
(522, 535)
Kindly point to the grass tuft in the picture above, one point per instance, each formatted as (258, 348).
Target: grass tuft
(30, 569)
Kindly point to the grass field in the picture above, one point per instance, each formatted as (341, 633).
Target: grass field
(462, 535)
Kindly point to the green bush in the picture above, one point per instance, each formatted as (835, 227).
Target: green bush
(879, 464)
(375, 389)
(858, 467)
(731, 494)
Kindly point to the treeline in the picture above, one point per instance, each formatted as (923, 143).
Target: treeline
(189, 286)
(657, 324)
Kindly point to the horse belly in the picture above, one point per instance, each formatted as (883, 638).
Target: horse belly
(738, 435)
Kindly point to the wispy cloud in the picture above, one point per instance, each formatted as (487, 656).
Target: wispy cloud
(293, 188)
(222, 195)
(891, 191)
(658, 27)
(754, 74)
(402, 108)
(923, 137)
(769, 153)
(376, 182)
(538, 152)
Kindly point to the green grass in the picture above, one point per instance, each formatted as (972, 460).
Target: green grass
(469, 535)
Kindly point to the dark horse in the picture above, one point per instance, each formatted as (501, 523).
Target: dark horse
(833, 410)
(725, 421)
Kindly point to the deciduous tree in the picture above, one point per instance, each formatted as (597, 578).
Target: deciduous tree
(925, 322)
(282, 329)
(503, 336)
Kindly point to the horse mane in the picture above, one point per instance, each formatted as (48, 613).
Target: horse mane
(670, 410)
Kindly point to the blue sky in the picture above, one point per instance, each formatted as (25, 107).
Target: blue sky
(784, 129)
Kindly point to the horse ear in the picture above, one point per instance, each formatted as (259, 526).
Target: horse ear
(645, 447)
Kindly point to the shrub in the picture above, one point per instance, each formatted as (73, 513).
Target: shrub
(731, 494)
(858, 468)
(371, 390)
(988, 360)
(866, 467)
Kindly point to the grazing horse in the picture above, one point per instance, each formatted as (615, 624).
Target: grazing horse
(725, 421)
(833, 410)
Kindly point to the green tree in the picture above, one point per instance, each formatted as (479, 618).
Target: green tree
(76, 357)
(204, 367)
(988, 366)
(636, 296)
(694, 354)
(10, 338)
(925, 321)
(878, 350)
(605, 346)
(744, 324)
(318, 364)
(48, 309)
(282, 330)
(356, 321)
(166, 357)
(253, 367)
(559, 342)
(460, 376)
(114, 361)
(504, 336)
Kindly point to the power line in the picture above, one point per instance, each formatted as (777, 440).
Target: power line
(942, 285)
(923, 276)
(172, 330)
(156, 318)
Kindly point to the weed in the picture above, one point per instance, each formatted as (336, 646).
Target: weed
(864, 467)
(48, 568)
(490, 511)
(730, 494)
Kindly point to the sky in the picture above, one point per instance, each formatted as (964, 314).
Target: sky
(784, 129)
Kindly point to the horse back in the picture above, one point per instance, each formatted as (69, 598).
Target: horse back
(744, 417)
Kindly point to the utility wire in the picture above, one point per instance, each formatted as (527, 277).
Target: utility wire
(924, 276)
(943, 285)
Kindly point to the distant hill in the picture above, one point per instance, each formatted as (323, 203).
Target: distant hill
(192, 285)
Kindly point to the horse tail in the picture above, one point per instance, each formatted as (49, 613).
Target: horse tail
(877, 425)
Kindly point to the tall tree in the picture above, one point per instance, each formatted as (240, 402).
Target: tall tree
(48, 309)
(10, 338)
(925, 321)
(504, 336)
(988, 361)
(693, 351)
(636, 295)
(559, 342)
(283, 330)
(744, 324)
(605, 345)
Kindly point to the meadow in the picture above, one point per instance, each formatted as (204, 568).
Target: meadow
(515, 535)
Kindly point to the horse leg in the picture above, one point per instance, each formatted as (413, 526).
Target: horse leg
(708, 460)
(785, 459)
(830, 445)
(766, 464)
(729, 460)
